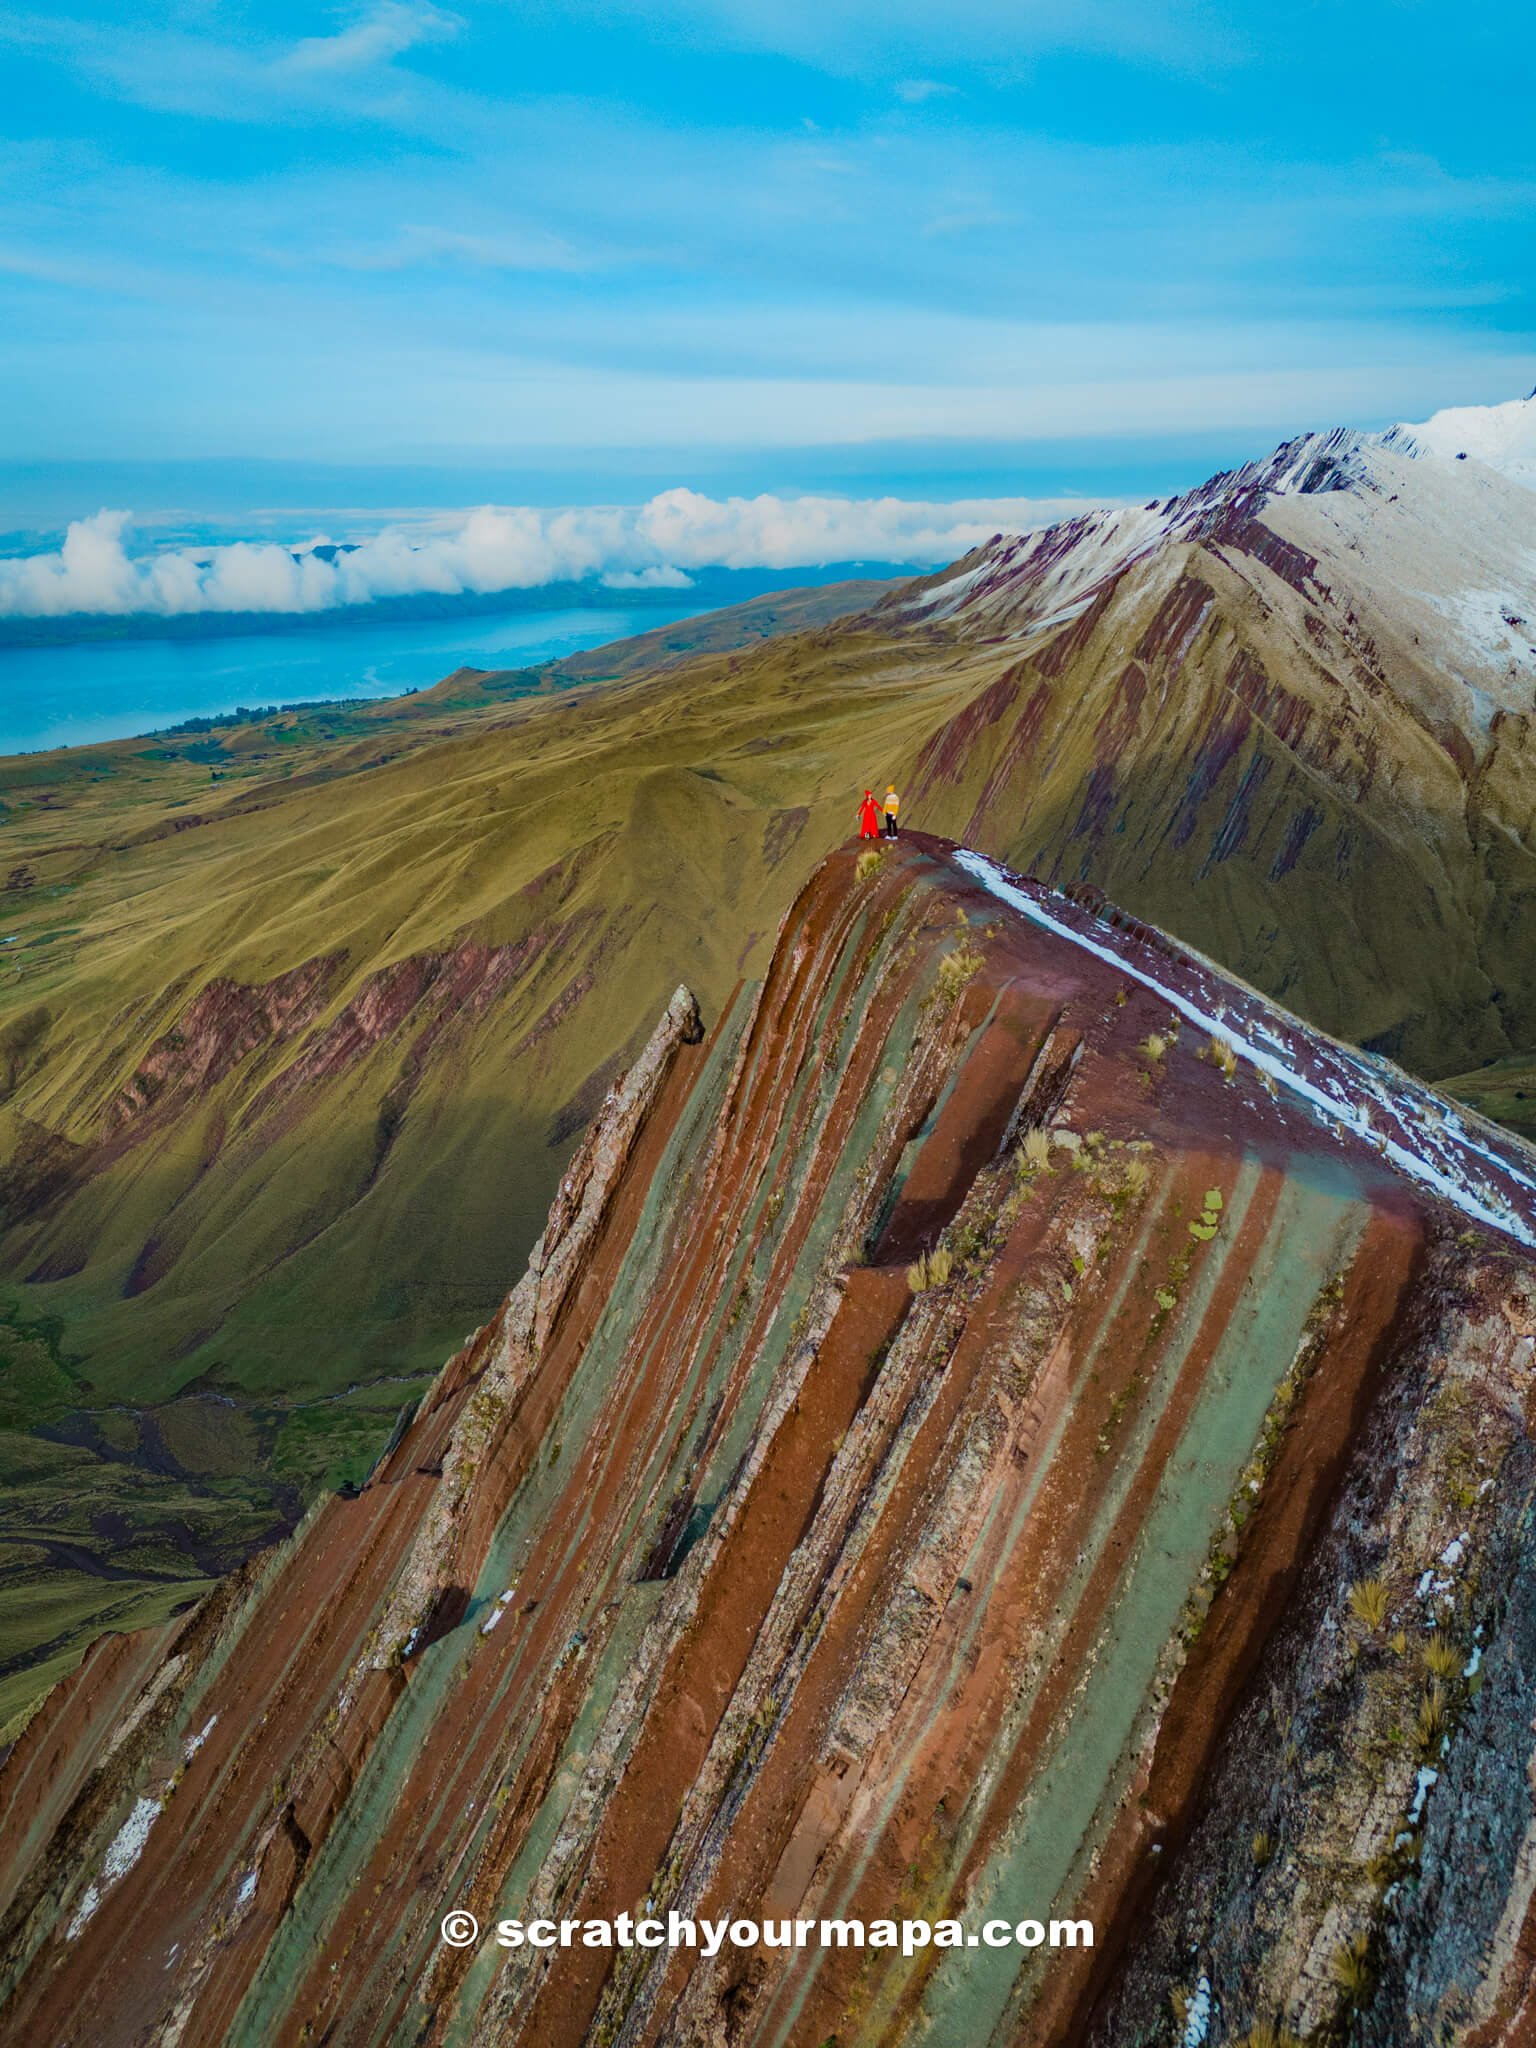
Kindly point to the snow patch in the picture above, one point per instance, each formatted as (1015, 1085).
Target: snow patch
(200, 1738)
(1197, 2021)
(941, 598)
(90, 1899)
(1433, 1146)
(1063, 615)
(128, 1843)
(1427, 1780)
(490, 1621)
(126, 1847)
(1495, 626)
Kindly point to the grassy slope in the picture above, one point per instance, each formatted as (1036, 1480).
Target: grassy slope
(1504, 1090)
(301, 1254)
(744, 625)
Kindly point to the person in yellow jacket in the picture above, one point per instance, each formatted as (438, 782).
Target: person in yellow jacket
(892, 806)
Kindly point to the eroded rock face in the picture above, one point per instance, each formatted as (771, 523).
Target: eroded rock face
(424, 1585)
(1009, 1425)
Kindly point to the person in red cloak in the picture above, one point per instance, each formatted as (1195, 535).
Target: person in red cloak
(869, 817)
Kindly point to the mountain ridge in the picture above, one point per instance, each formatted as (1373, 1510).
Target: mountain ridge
(958, 1434)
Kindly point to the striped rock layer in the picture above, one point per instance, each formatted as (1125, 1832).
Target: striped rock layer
(972, 1441)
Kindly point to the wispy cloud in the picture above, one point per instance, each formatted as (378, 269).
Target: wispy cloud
(663, 224)
(862, 35)
(386, 30)
(39, 266)
(352, 73)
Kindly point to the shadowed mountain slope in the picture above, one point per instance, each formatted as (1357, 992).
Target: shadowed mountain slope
(1008, 1424)
(1289, 715)
(291, 1061)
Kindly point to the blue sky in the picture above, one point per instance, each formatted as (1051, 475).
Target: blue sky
(596, 249)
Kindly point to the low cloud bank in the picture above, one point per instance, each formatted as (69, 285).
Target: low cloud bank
(496, 548)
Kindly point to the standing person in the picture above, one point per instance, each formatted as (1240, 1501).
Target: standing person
(892, 806)
(869, 817)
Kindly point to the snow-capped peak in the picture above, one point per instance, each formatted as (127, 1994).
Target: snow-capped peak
(1456, 552)
(1503, 437)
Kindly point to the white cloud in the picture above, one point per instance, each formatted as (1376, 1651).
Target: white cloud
(387, 30)
(663, 577)
(499, 547)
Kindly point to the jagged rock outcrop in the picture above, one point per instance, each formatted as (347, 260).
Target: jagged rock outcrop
(524, 1328)
(1010, 1424)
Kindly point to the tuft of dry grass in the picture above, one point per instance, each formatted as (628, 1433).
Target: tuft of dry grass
(1351, 1968)
(1442, 1659)
(1154, 1047)
(1369, 1602)
(956, 968)
(1222, 1053)
(1035, 1152)
(930, 1269)
(1434, 1718)
(869, 863)
(1269, 2034)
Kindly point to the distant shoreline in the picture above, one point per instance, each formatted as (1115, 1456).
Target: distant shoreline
(185, 689)
(707, 590)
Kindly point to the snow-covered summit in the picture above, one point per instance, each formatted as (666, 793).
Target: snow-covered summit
(1371, 554)
(1445, 547)
(1501, 436)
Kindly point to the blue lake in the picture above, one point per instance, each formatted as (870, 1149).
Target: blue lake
(109, 689)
